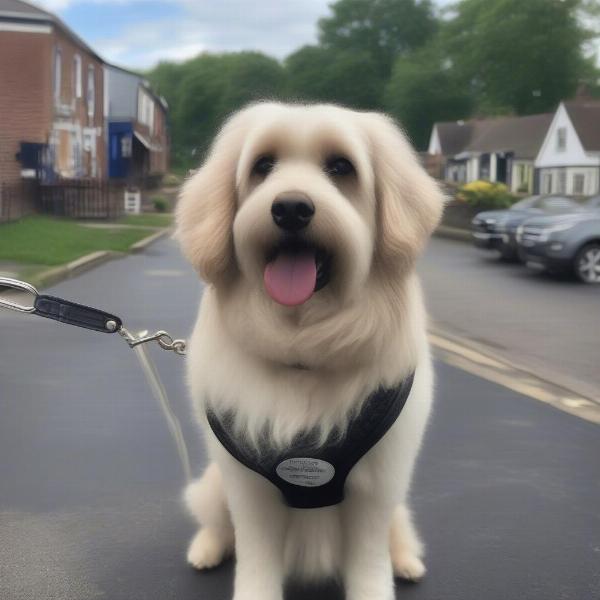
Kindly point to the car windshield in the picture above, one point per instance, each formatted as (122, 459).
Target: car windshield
(526, 203)
(593, 203)
(546, 203)
(558, 203)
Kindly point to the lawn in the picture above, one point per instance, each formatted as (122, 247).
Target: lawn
(148, 220)
(46, 241)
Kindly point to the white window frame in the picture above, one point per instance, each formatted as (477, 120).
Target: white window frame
(547, 178)
(561, 139)
(77, 82)
(91, 91)
(579, 177)
(146, 109)
(57, 74)
(562, 182)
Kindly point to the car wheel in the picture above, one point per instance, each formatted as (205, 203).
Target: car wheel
(587, 264)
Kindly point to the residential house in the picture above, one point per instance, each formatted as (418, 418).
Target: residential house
(499, 149)
(136, 126)
(51, 98)
(569, 159)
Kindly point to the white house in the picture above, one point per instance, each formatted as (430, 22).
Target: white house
(499, 149)
(569, 160)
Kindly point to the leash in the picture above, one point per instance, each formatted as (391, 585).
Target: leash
(79, 315)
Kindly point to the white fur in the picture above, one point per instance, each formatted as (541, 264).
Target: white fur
(365, 329)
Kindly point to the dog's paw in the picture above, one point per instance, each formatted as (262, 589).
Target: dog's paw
(409, 567)
(206, 550)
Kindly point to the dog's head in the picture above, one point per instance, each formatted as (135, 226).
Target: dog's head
(298, 199)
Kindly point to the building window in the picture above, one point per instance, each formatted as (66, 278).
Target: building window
(91, 91)
(77, 85)
(57, 74)
(146, 110)
(523, 178)
(561, 139)
(578, 183)
(547, 183)
(126, 146)
(562, 182)
(484, 167)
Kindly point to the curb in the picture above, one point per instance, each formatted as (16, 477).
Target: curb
(90, 261)
(453, 233)
(145, 242)
(80, 265)
(483, 361)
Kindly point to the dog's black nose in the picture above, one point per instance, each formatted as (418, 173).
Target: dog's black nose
(292, 213)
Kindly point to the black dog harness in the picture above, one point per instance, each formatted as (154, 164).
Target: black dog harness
(310, 475)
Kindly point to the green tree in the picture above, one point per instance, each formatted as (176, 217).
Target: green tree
(320, 74)
(382, 29)
(518, 56)
(202, 91)
(424, 89)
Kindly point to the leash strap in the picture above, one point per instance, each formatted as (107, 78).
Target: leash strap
(79, 315)
(87, 317)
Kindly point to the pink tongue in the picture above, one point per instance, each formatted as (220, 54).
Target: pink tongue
(290, 279)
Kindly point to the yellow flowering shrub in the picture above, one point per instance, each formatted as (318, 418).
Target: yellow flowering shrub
(486, 194)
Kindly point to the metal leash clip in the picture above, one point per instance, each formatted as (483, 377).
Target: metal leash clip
(165, 341)
(65, 311)
(87, 317)
(22, 286)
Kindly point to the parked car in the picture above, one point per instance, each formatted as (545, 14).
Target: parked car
(564, 243)
(497, 229)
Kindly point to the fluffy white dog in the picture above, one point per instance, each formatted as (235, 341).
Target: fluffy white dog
(306, 221)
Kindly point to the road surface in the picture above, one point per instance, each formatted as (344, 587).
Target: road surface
(507, 493)
(549, 326)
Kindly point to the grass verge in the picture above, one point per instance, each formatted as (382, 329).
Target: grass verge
(148, 220)
(40, 240)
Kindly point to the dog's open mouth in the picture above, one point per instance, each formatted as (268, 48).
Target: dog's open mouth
(295, 270)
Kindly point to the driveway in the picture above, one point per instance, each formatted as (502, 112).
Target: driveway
(548, 326)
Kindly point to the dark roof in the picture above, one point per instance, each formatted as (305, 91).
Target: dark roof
(585, 116)
(454, 137)
(22, 8)
(19, 11)
(523, 136)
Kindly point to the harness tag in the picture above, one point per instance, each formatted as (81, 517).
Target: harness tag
(306, 472)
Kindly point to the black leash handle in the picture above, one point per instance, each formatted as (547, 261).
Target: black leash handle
(79, 315)
(59, 309)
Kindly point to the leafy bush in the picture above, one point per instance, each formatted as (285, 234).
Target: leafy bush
(160, 204)
(486, 194)
(171, 179)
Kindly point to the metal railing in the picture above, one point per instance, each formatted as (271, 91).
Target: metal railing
(17, 199)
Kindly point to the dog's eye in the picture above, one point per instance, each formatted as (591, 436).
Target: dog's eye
(264, 165)
(338, 166)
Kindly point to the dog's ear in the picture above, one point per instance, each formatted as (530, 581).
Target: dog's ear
(409, 202)
(207, 205)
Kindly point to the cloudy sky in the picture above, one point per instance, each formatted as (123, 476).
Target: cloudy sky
(139, 33)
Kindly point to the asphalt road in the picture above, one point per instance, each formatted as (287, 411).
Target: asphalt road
(550, 326)
(507, 492)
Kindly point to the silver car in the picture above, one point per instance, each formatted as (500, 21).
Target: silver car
(564, 243)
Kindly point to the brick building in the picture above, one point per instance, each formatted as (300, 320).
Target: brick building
(138, 142)
(51, 98)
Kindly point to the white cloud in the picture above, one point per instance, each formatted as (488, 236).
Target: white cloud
(274, 27)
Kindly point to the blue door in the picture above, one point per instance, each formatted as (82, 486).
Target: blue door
(120, 142)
